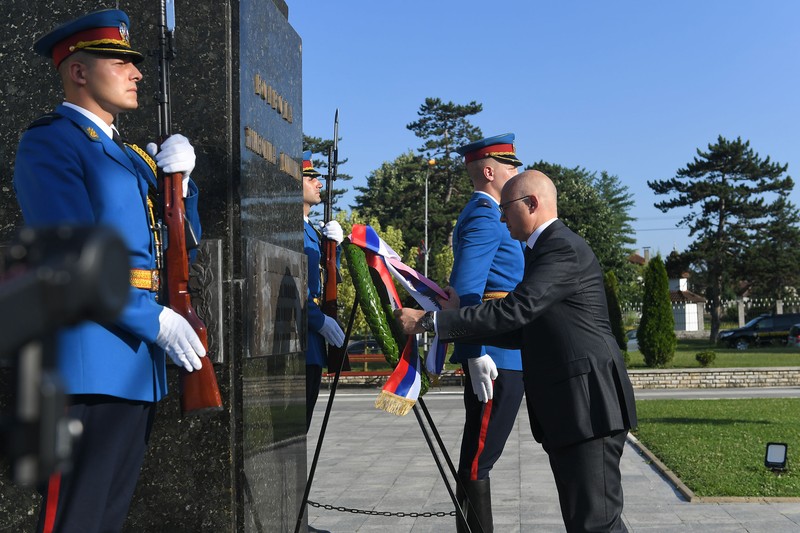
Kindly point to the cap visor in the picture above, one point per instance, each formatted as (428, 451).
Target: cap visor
(108, 50)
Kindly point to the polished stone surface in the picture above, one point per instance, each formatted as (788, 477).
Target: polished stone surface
(236, 94)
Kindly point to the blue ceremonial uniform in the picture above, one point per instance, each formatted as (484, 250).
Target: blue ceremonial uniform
(315, 347)
(486, 259)
(487, 264)
(68, 172)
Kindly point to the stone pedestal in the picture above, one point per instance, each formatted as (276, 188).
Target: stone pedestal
(236, 93)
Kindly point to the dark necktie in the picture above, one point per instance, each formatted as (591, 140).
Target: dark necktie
(117, 139)
(528, 254)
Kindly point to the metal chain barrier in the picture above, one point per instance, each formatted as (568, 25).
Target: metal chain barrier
(341, 509)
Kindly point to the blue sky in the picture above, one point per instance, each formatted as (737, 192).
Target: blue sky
(629, 87)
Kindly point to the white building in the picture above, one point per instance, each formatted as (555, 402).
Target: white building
(687, 307)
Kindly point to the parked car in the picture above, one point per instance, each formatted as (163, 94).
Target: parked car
(633, 341)
(369, 346)
(764, 329)
(794, 336)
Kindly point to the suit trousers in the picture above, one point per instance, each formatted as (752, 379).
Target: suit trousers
(96, 494)
(589, 483)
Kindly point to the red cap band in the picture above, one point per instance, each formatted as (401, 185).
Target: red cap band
(488, 151)
(66, 47)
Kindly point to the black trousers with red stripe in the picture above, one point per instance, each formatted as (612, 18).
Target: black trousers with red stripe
(488, 425)
(96, 494)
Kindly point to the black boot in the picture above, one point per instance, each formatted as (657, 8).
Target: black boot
(479, 509)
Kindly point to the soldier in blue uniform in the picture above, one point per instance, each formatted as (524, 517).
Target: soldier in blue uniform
(72, 168)
(487, 264)
(321, 328)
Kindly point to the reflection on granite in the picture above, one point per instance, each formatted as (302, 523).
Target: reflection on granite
(275, 300)
(238, 66)
(271, 108)
(273, 441)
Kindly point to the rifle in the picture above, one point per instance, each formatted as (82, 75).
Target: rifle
(337, 357)
(199, 390)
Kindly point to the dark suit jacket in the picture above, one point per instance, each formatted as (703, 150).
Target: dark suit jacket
(576, 384)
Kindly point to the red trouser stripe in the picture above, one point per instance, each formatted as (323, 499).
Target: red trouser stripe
(53, 486)
(487, 413)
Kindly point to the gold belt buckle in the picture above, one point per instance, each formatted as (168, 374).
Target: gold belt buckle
(155, 280)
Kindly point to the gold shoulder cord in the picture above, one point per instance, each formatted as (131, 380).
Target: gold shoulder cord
(155, 224)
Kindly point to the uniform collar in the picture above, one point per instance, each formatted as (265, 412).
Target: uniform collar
(100, 123)
(489, 196)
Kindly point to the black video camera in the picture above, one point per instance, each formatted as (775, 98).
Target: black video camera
(51, 278)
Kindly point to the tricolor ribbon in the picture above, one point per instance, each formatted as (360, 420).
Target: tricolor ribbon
(401, 390)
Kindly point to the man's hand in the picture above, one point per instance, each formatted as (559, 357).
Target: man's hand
(177, 338)
(408, 319)
(176, 155)
(453, 301)
(332, 332)
(482, 372)
(332, 231)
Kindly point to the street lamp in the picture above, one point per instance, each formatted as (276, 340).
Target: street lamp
(431, 162)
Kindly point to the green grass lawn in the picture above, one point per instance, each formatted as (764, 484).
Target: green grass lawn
(716, 447)
(726, 357)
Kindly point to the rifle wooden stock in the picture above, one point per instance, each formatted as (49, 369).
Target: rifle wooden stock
(199, 390)
(337, 357)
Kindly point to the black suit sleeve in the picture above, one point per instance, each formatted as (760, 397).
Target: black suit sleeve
(551, 276)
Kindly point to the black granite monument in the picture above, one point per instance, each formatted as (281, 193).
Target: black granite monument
(236, 94)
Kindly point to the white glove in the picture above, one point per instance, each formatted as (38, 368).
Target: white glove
(176, 155)
(179, 340)
(332, 231)
(482, 371)
(332, 332)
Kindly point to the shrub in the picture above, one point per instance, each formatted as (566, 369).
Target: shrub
(706, 358)
(656, 334)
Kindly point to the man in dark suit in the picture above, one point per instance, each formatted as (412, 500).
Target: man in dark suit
(580, 400)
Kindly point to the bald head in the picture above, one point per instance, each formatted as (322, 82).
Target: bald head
(529, 200)
(537, 184)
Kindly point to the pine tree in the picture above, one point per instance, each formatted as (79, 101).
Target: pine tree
(656, 333)
(729, 188)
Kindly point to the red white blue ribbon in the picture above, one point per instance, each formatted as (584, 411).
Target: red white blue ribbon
(424, 291)
(402, 389)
